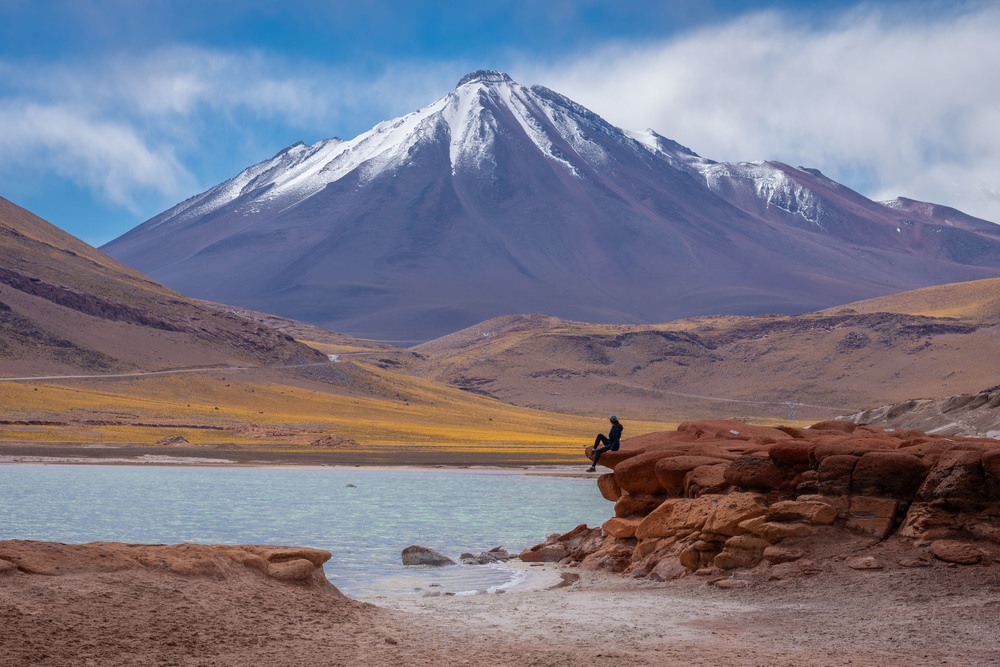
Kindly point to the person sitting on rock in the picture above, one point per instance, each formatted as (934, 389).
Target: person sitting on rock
(609, 443)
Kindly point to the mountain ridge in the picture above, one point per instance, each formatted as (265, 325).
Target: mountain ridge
(498, 198)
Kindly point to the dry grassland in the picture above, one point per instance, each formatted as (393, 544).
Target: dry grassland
(243, 408)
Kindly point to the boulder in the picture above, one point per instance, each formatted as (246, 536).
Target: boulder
(614, 556)
(779, 554)
(741, 551)
(783, 571)
(676, 515)
(632, 504)
(698, 555)
(953, 551)
(928, 521)
(809, 511)
(545, 553)
(774, 532)
(638, 474)
(667, 569)
(579, 536)
(991, 470)
(957, 480)
(495, 555)
(790, 453)
(872, 516)
(839, 503)
(608, 487)
(892, 474)
(619, 527)
(672, 471)
(419, 555)
(706, 479)
(840, 425)
(863, 563)
(754, 472)
(733, 509)
(833, 474)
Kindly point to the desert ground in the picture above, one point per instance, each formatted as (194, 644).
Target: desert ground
(560, 617)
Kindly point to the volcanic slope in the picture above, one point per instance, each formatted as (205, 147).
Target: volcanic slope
(500, 199)
(931, 342)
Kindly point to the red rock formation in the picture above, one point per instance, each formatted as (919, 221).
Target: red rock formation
(296, 565)
(725, 495)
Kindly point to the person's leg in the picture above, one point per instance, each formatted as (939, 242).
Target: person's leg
(596, 453)
(600, 446)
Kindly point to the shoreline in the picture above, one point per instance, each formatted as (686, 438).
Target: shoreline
(394, 456)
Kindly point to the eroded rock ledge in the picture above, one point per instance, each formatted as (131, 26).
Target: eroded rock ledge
(714, 496)
(295, 565)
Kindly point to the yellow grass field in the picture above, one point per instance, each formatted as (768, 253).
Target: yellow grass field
(242, 408)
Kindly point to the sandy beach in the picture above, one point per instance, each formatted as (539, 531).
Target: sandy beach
(560, 617)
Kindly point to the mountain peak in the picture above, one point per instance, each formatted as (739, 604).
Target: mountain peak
(485, 76)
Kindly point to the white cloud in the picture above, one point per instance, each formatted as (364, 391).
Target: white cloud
(108, 157)
(888, 103)
(891, 104)
(130, 126)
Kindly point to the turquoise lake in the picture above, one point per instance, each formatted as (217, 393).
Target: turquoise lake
(364, 517)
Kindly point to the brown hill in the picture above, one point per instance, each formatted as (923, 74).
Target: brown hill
(65, 307)
(932, 342)
(92, 351)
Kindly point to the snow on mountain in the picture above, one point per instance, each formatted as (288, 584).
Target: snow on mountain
(468, 116)
(768, 185)
(499, 198)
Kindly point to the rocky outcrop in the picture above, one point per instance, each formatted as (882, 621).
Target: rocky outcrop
(970, 414)
(294, 565)
(723, 495)
(420, 555)
(495, 555)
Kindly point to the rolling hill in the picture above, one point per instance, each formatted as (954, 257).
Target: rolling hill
(932, 342)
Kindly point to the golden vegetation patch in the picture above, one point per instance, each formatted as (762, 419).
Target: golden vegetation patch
(386, 408)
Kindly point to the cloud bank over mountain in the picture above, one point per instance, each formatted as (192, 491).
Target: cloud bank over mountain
(889, 98)
(888, 104)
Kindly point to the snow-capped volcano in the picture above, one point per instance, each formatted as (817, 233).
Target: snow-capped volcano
(499, 198)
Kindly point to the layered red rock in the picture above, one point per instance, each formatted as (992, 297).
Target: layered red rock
(723, 494)
(299, 565)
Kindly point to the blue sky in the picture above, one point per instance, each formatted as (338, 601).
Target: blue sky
(112, 111)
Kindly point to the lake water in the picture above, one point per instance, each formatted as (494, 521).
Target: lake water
(364, 517)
